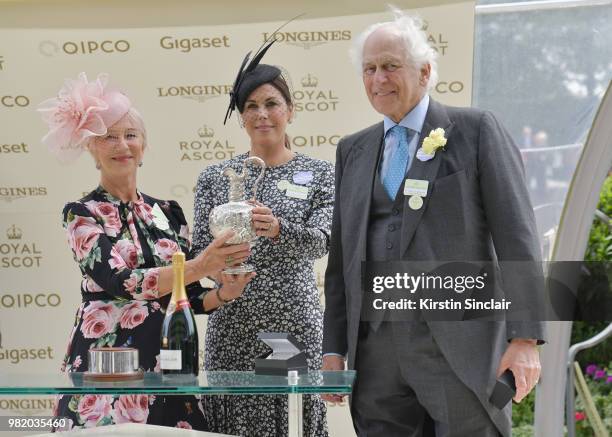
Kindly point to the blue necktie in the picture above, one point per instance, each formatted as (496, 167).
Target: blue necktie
(393, 177)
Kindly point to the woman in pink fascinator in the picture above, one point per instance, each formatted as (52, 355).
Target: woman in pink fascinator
(123, 241)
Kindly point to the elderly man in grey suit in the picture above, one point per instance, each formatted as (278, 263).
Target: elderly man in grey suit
(424, 378)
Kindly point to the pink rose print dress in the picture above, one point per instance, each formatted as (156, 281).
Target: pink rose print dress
(119, 249)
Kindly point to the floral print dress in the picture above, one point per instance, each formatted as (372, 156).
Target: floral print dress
(283, 297)
(119, 248)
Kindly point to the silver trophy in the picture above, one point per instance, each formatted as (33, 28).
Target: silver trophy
(237, 214)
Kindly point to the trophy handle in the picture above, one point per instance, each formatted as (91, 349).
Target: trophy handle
(262, 164)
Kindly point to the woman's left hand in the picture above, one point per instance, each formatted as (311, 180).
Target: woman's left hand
(265, 223)
(233, 284)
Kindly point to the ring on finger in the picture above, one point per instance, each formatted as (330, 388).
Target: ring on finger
(229, 259)
(269, 226)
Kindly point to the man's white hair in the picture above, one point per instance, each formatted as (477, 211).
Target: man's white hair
(410, 29)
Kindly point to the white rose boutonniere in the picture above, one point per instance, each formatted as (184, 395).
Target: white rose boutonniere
(434, 141)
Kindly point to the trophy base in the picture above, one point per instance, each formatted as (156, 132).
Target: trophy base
(237, 270)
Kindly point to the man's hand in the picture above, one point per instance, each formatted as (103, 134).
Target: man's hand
(333, 362)
(523, 359)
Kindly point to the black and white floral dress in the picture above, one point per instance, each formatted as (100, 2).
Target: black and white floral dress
(283, 297)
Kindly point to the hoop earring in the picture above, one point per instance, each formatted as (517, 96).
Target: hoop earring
(140, 164)
(240, 123)
(98, 166)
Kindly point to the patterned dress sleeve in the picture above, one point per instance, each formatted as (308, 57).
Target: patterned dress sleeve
(311, 239)
(100, 260)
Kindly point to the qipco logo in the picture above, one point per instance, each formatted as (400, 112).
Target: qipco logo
(11, 101)
(95, 47)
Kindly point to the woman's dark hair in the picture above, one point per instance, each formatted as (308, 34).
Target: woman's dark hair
(281, 85)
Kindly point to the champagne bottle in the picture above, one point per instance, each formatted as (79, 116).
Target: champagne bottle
(179, 350)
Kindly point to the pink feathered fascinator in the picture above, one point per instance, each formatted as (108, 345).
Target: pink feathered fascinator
(80, 111)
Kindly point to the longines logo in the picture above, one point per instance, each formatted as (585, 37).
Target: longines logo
(199, 93)
(311, 98)
(309, 39)
(9, 194)
(2, 63)
(206, 147)
(27, 407)
(14, 148)
(436, 40)
(16, 253)
(90, 47)
(185, 45)
(10, 101)
(315, 140)
(26, 300)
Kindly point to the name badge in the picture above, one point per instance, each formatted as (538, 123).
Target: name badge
(416, 187)
(297, 191)
(159, 218)
(302, 177)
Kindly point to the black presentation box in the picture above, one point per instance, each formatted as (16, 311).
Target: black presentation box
(287, 354)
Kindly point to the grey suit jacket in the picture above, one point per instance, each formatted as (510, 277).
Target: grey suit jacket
(477, 209)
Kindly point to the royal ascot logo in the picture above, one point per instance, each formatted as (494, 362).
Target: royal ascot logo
(309, 39)
(15, 301)
(16, 253)
(315, 140)
(14, 148)
(437, 41)
(2, 63)
(199, 93)
(11, 101)
(309, 97)
(8, 194)
(185, 45)
(89, 47)
(206, 147)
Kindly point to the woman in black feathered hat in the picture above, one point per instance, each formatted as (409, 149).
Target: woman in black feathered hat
(293, 219)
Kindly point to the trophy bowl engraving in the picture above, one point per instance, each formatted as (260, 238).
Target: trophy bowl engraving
(235, 216)
(237, 213)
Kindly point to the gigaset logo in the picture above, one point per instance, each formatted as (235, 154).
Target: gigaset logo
(185, 45)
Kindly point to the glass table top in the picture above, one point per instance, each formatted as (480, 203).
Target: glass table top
(212, 382)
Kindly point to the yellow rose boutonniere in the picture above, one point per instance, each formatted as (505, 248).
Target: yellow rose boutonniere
(434, 141)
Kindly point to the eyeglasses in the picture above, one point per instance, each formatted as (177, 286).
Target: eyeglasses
(115, 137)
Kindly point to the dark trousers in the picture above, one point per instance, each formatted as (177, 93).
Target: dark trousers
(406, 388)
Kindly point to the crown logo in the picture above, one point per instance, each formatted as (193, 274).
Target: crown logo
(309, 81)
(14, 233)
(206, 132)
(425, 26)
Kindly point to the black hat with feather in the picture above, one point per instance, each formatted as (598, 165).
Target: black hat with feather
(252, 75)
